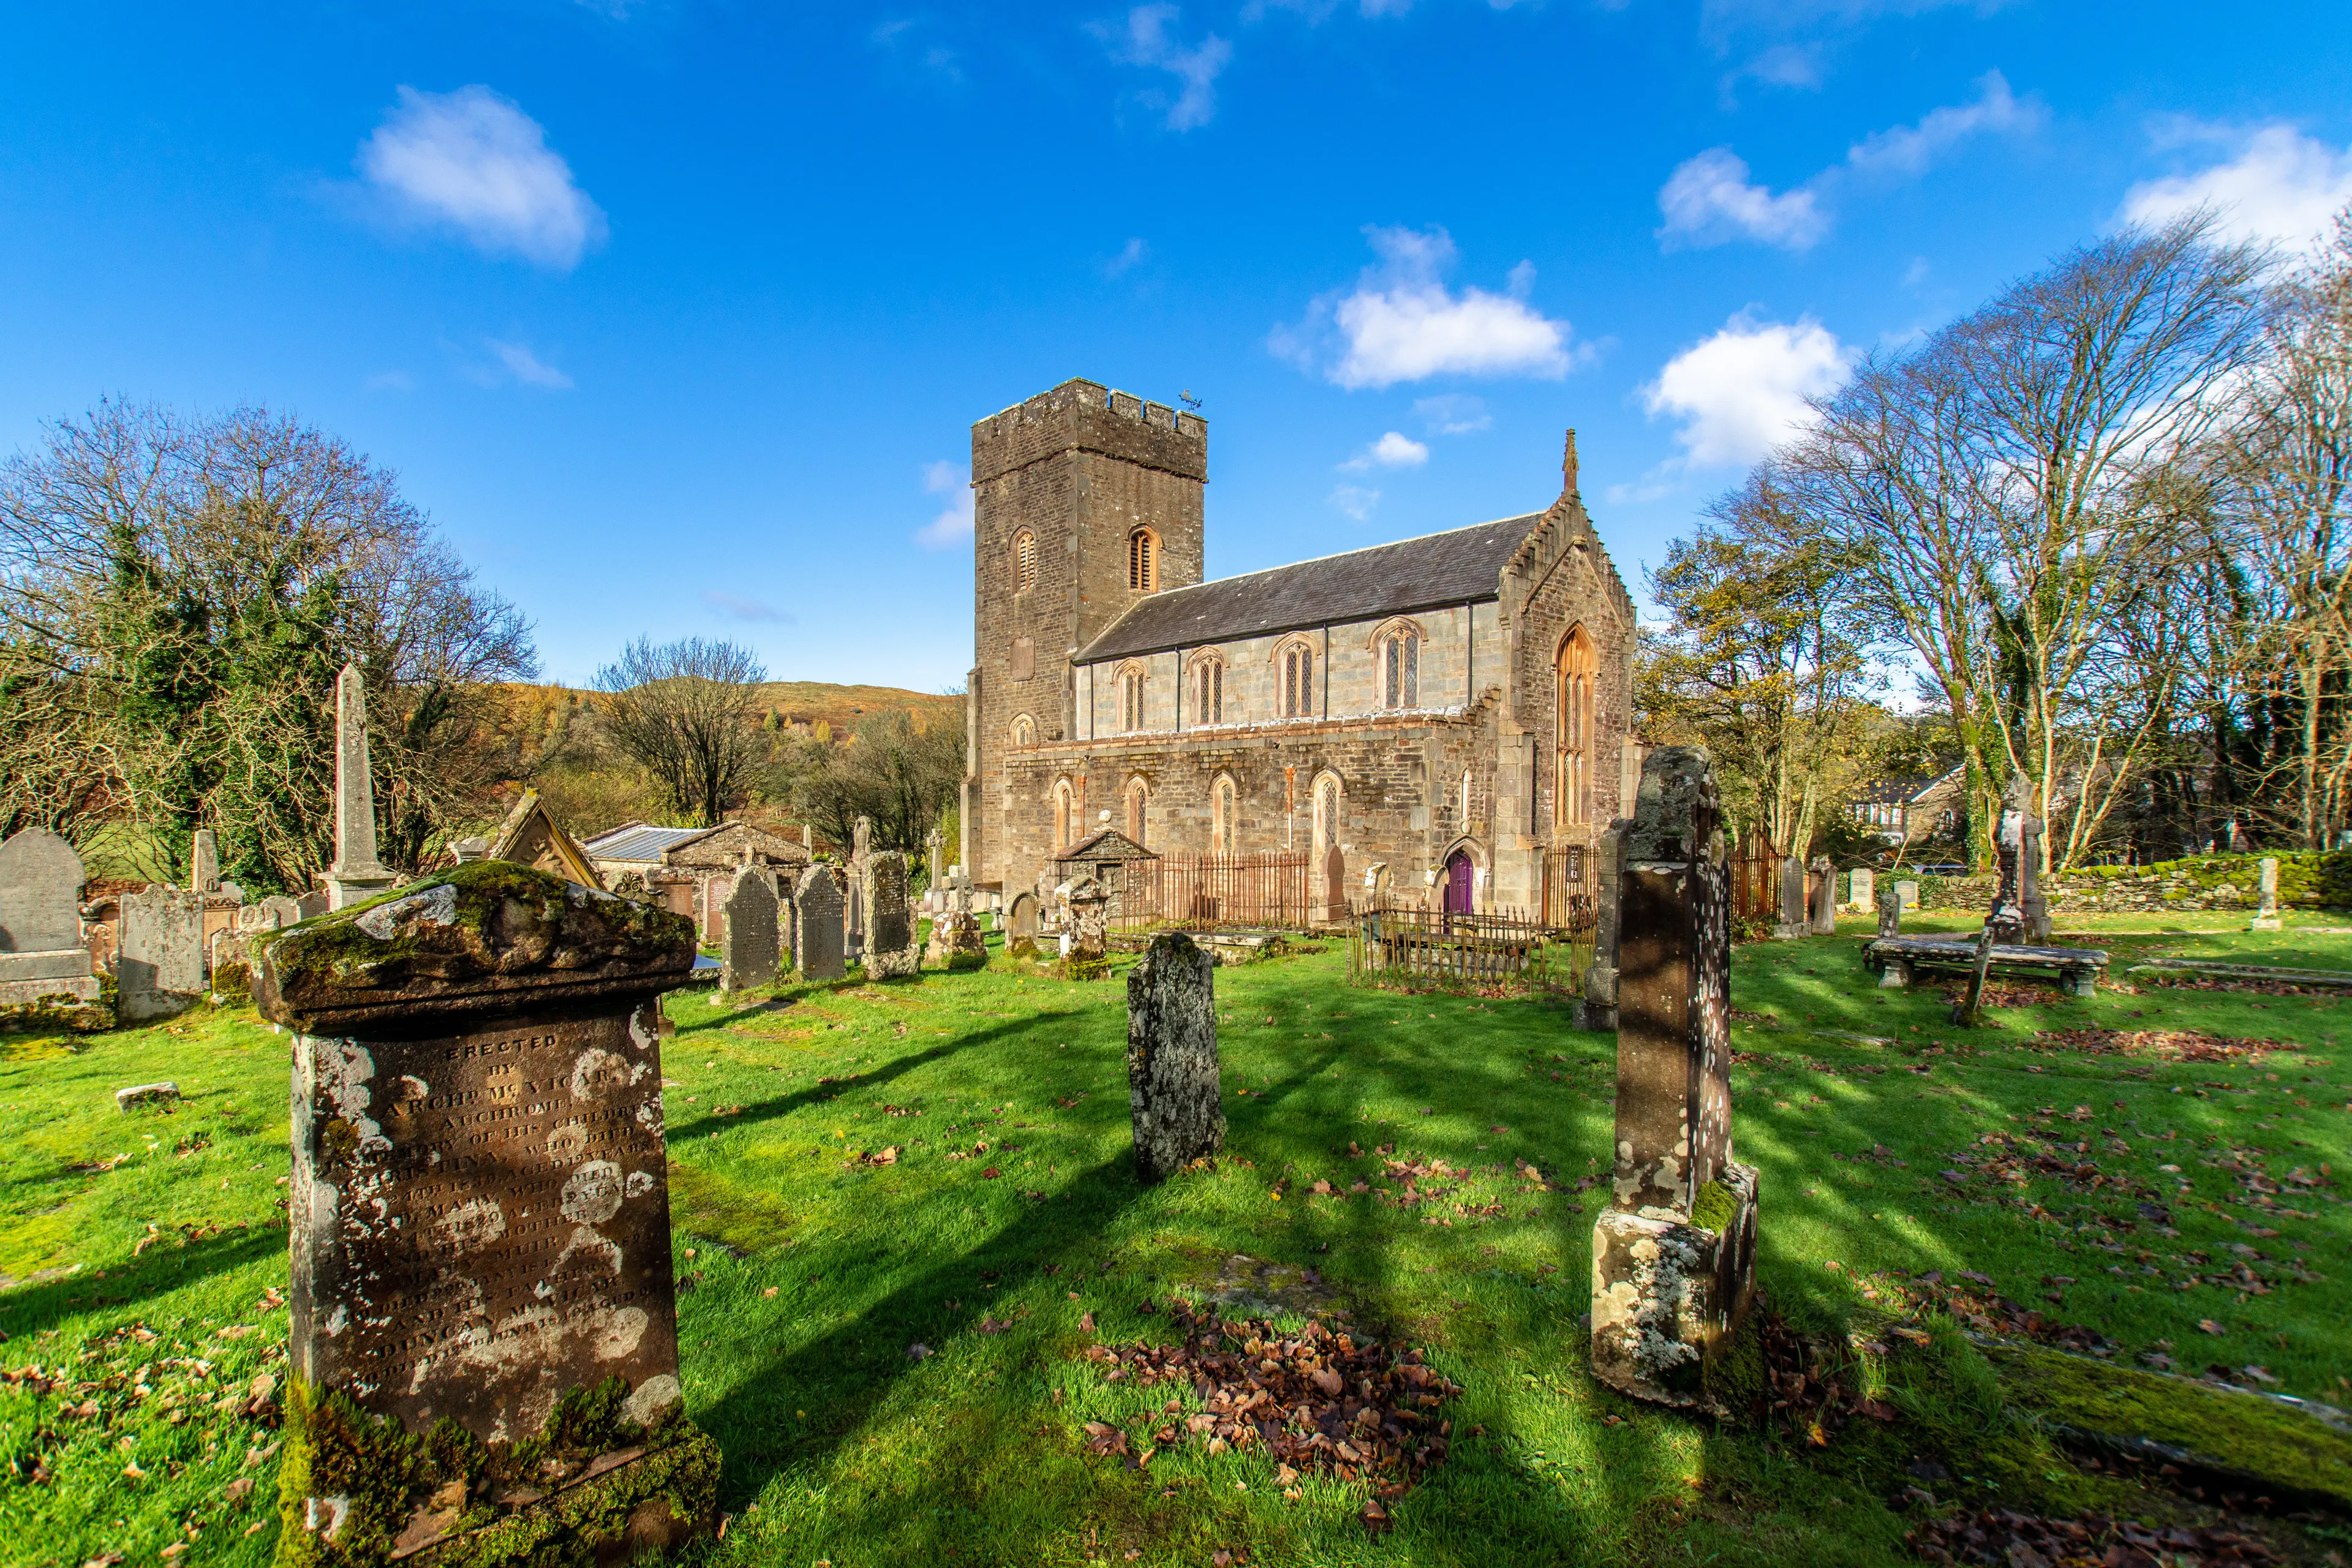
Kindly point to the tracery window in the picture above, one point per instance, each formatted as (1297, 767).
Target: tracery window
(1025, 561)
(1298, 681)
(1130, 698)
(1024, 731)
(1401, 670)
(1224, 804)
(1143, 560)
(1209, 690)
(1573, 726)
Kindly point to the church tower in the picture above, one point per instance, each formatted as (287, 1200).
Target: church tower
(1087, 500)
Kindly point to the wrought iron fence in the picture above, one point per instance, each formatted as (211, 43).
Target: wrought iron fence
(1217, 892)
(1505, 950)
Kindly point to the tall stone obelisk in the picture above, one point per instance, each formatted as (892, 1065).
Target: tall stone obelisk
(356, 875)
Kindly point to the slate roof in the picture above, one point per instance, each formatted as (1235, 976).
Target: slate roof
(1109, 844)
(1902, 791)
(640, 841)
(1460, 566)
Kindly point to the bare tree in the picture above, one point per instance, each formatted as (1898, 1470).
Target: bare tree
(683, 711)
(186, 589)
(1999, 486)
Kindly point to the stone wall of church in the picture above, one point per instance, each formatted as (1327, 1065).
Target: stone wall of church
(1401, 781)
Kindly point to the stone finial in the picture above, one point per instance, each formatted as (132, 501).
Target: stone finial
(1568, 465)
(1174, 1091)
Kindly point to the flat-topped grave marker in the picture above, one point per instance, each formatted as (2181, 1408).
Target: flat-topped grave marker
(749, 949)
(480, 1214)
(817, 935)
(1793, 922)
(1175, 1095)
(891, 951)
(159, 966)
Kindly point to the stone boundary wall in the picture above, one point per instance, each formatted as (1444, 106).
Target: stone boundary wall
(2307, 880)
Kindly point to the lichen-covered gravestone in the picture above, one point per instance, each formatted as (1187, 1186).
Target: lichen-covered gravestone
(748, 954)
(1090, 909)
(1824, 897)
(891, 951)
(816, 924)
(483, 1337)
(1172, 1083)
(44, 964)
(1792, 923)
(1673, 1256)
(1890, 912)
(159, 966)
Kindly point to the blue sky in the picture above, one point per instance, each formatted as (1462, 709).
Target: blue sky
(674, 315)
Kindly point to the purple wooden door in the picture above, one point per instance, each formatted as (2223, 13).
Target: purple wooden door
(1458, 897)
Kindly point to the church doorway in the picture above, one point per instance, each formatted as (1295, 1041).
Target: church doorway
(1461, 884)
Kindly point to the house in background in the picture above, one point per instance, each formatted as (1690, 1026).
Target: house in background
(681, 868)
(1914, 810)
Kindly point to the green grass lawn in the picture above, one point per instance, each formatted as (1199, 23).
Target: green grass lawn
(147, 1250)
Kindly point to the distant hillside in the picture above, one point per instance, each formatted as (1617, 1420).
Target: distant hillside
(806, 702)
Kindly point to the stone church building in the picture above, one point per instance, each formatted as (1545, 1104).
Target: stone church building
(1455, 707)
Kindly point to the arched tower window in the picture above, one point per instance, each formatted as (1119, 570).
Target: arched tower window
(1130, 698)
(1065, 813)
(1138, 799)
(1225, 806)
(1208, 689)
(1025, 561)
(1399, 676)
(1298, 680)
(1143, 560)
(1572, 724)
(1025, 729)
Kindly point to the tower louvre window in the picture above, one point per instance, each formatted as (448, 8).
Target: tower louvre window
(1143, 560)
(1024, 561)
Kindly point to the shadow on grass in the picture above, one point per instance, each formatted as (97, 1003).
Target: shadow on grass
(30, 1308)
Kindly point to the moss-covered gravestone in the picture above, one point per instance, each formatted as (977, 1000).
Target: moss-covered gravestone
(485, 1342)
(891, 951)
(1673, 1257)
(1175, 1091)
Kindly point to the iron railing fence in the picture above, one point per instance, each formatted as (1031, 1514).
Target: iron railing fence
(1266, 891)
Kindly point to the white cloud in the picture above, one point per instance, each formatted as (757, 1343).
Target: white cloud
(2282, 186)
(1145, 41)
(1904, 152)
(1393, 450)
(1401, 323)
(1453, 414)
(1356, 501)
(952, 527)
(472, 161)
(517, 362)
(1742, 392)
(744, 608)
(1709, 200)
(1134, 253)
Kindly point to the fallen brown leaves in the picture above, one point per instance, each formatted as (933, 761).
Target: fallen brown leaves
(1323, 1399)
(2013, 1540)
(877, 1157)
(2167, 1045)
(1806, 1384)
(1975, 1304)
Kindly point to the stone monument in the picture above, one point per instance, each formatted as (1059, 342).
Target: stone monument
(356, 876)
(891, 951)
(1793, 922)
(44, 964)
(159, 966)
(1890, 912)
(1174, 1091)
(1089, 915)
(1598, 1010)
(816, 924)
(1824, 897)
(1907, 894)
(1673, 1256)
(861, 851)
(1862, 889)
(204, 863)
(480, 1227)
(748, 952)
(2266, 916)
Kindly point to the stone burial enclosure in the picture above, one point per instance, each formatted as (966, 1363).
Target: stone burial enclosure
(480, 1226)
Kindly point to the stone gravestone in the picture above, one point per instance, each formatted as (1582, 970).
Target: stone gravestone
(2266, 917)
(44, 964)
(1824, 897)
(1793, 922)
(204, 863)
(1598, 1010)
(1862, 889)
(2032, 904)
(1673, 1257)
(158, 967)
(1907, 893)
(861, 852)
(1021, 919)
(1173, 1084)
(1890, 912)
(817, 933)
(480, 1223)
(891, 951)
(356, 876)
(748, 955)
(1090, 909)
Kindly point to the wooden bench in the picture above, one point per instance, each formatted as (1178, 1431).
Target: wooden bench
(1896, 958)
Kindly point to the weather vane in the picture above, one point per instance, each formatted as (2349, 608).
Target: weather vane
(1188, 400)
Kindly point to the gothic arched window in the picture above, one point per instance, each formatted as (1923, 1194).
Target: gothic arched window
(1025, 729)
(1573, 726)
(1065, 813)
(1139, 798)
(1209, 689)
(1298, 680)
(1225, 806)
(1025, 561)
(1401, 670)
(1143, 560)
(1130, 698)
